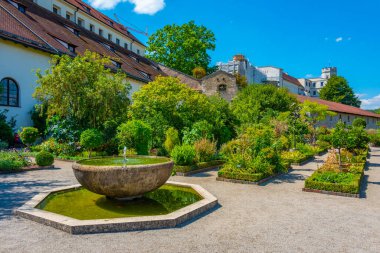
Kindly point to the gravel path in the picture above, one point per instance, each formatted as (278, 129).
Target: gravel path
(275, 217)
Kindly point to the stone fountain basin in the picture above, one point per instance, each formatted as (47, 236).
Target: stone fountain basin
(123, 182)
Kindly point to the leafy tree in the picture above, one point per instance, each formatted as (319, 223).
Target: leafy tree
(312, 113)
(357, 138)
(82, 88)
(29, 135)
(359, 122)
(135, 134)
(199, 72)
(39, 116)
(182, 47)
(338, 90)
(200, 130)
(172, 139)
(339, 137)
(91, 139)
(166, 102)
(256, 102)
(241, 81)
(6, 132)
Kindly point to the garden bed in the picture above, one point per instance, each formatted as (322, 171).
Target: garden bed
(197, 168)
(346, 183)
(28, 168)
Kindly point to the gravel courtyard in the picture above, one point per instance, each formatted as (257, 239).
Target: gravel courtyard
(275, 217)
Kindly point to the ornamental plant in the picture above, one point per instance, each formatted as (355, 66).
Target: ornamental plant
(135, 134)
(204, 150)
(29, 135)
(91, 139)
(172, 139)
(44, 158)
(183, 155)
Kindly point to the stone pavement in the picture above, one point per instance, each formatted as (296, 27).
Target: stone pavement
(275, 217)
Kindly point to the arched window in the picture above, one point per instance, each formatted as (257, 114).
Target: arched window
(9, 92)
(222, 88)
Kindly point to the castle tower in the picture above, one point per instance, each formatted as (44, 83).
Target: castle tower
(329, 72)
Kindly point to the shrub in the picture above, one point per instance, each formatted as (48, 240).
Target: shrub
(359, 122)
(172, 139)
(294, 156)
(11, 161)
(183, 155)
(135, 134)
(91, 139)
(29, 135)
(204, 150)
(44, 158)
(200, 129)
(6, 133)
(3, 145)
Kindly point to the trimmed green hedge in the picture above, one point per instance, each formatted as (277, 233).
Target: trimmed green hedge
(345, 182)
(198, 166)
(241, 175)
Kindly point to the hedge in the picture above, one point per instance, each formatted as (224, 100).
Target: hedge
(353, 187)
(198, 166)
(241, 175)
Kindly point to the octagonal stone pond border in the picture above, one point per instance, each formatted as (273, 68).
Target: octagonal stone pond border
(74, 226)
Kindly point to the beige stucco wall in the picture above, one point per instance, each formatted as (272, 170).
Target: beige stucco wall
(330, 122)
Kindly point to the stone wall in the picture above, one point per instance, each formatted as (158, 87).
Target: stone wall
(221, 83)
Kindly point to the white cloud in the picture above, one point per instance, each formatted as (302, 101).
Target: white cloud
(339, 39)
(361, 95)
(371, 103)
(150, 7)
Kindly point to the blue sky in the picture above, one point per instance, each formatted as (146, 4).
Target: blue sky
(300, 36)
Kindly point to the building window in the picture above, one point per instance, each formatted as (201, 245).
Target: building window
(69, 16)
(314, 93)
(222, 88)
(71, 48)
(100, 32)
(331, 118)
(56, 10)
(313, 85)
(117, 41)
(322, 83)
(126, 45)
(109, 36)
(9, 95)
(348, 118)
(80, 22)
(21, 8)
(92, 28)
(138, 51)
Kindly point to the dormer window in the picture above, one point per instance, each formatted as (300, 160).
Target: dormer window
(21, 8)
(109, 47)
(117, 64)
(110, 22)
(87, 9)
(71, 48)
(75, 31)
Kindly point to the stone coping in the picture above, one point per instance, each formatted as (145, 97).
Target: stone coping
(28, 168)
(193, 172)
(74, 226)
(341, 194)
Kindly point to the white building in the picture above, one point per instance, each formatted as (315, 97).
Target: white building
(314, 85)
(239, 65)
(31, 31)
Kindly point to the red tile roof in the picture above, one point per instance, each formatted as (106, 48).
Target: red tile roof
(186, 79)
(338, 107)
(40, 28)
(291, 79)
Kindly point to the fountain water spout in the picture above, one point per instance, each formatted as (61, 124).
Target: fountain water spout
(125, 156)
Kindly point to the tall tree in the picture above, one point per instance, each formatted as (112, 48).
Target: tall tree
(182, 47)
(83, 89)
(338, 90)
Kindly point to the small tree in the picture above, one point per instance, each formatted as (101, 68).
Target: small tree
(29, 135)
(91, 139)
(359, 122)
(199, 72)
(135, 134)
(241, 81)
(339, 139)
(312, 113)
(172, 139)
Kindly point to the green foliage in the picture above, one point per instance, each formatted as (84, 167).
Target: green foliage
(205, 150)
(3, 145)
(11, 161)
(359, 122)
(295, 156)
(44, 158)
(166, 102)
(198, 166)
(339, 136)
(6, 132)
(182, 47)
(39, 118)
(91, 139)
(83, 89)
(183, 155)
(357, 138)
(135, 134)
(58, 149)
(200, 129)
(335, 182)
(338, 90)
(29, 135)
(199, 72)
(172, 139)
(241, 81)
(374, 137)
(256, 102)
(63, 129)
